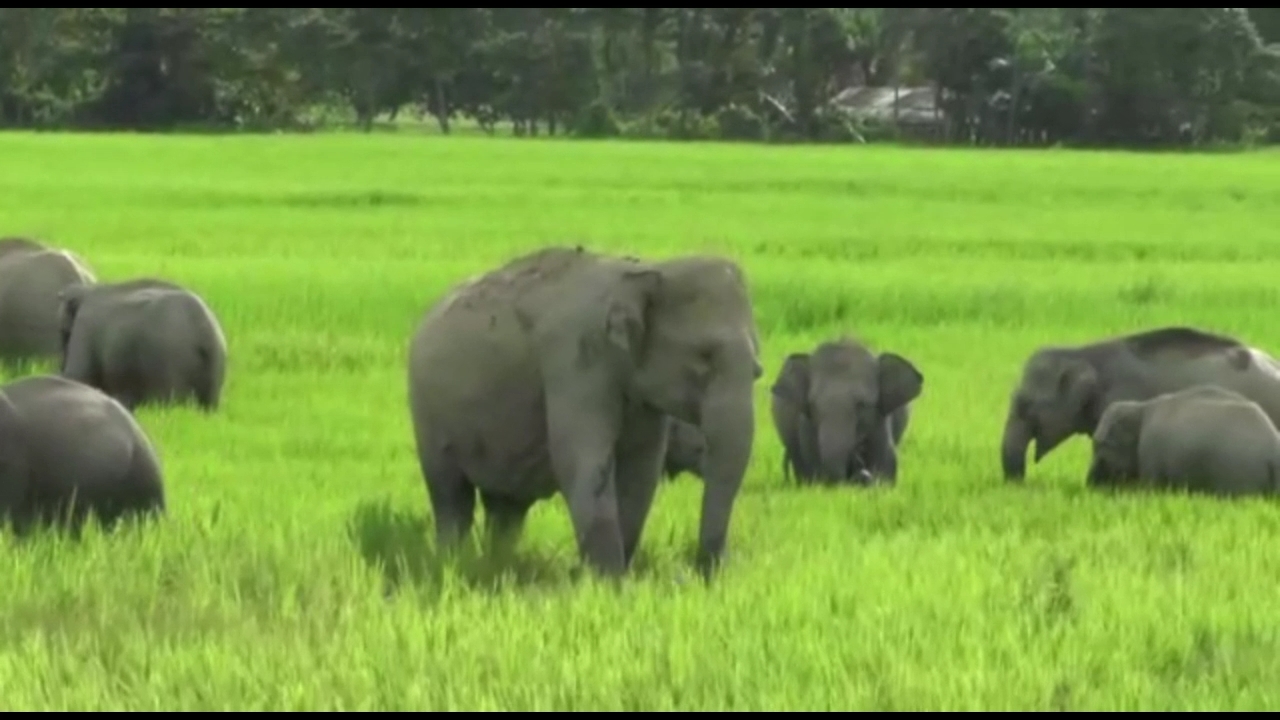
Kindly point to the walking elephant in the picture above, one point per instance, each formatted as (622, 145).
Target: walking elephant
(1065, 389)
(556, 373)
(841, 412)
(143, 341)
(67, 451)
(31, 276)
(1203, 439)
(685, 448)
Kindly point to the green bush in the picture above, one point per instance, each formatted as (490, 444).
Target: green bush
(738, 122)
(596, 120)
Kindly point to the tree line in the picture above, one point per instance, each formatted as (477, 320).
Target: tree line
(1132, 77)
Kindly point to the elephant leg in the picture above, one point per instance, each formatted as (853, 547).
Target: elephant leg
(504, 521)
(453, 499)
(581, 438)
(638, 456)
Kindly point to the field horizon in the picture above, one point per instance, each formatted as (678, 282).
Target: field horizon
(295, 568)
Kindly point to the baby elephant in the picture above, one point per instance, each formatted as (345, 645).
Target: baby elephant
(68, 451)
(1201, 439)
(143, 341)
(685, 448)
(841, 411)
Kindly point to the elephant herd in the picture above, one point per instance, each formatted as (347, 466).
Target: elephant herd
(69, 443)
(572, 372)
(592, 376)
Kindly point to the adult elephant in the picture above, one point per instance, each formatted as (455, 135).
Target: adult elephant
(1065, 389)
(70, 452)
(143, 341)
(31, 276)
(842, 410)
(556, 373)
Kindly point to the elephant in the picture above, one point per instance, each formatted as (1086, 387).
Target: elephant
(557, 373)
(31, 276)
(143, 341)
(69, 451)
(841, 412)
(1202, 439)
(1064, 390)
(685, 448)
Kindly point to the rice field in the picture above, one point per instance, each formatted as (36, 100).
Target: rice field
(295, 569)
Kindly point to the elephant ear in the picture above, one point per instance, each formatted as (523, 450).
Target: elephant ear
(1120, 428)
(900, 382)
(792, 384)
(69, 300)
(627, 318)
(1078, 388)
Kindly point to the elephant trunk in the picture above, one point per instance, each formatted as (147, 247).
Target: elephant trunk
(728, 426)
(1013, 450)
(837, 452)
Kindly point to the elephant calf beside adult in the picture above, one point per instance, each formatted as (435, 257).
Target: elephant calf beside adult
(1064, 390)
(557, 373)
(841, 412)
(31, 277)
(68, 452)
(685, 448)
(143, 341)
(1203, 439)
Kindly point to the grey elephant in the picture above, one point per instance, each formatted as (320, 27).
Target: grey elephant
(685, 448)
(31, 276)
(1202, 439)
(143, 341)
(841, 412)
(1065, 389)
(68, 452)
(556, 373)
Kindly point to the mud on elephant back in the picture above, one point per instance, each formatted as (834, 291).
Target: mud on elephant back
(1064, 390)
(556, 372)
(841, 412)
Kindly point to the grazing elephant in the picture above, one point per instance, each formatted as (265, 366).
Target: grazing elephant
(557, 373)
(1064, 390)
(1202, 439)
(685, 448)
(68, 451)
(841, 411)
(31, 276)
(143, 341)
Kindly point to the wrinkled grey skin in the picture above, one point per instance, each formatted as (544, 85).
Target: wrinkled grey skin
(685, 448)
(31, 276)
(556, 373)
(143, 341)
(1203, 439)
(1064, 390)
(61, 440)
(841, 411)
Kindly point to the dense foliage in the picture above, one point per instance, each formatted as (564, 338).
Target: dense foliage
(1096, 76)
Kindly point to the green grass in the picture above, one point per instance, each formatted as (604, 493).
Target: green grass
(295, 569)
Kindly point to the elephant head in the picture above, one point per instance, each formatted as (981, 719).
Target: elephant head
(1056, 398)
(843, 396)
(686, 338)
(1115, 444)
